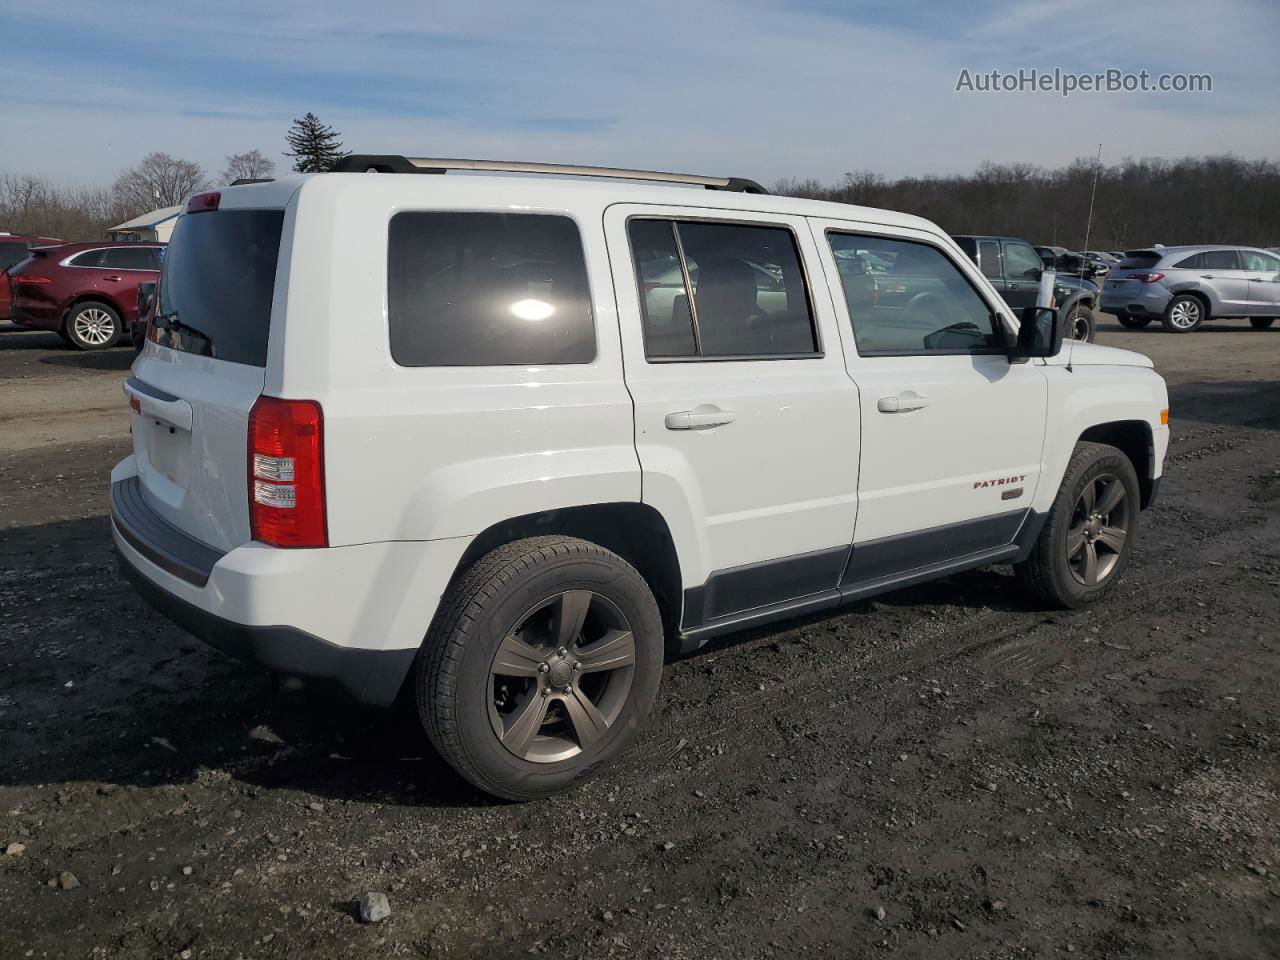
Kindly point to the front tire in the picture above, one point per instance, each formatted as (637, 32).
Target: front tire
(92, 325)
(1184, 314)
(1261, 323)
(1130, 322)
(1080, 324)
(1087, 537)
(541, 665)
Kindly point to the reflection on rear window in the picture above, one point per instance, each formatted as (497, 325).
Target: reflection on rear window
(216, 288)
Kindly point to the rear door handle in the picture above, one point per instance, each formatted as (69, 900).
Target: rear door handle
(113, 278)
(904, 402)
(700, 418)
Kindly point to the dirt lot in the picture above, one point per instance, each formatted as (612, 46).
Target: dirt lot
(998, 780)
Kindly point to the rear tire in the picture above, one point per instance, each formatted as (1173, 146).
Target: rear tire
(1080, 324)
(1261, 323)
(1087, 537)
(498, 691)
(1130, 322)
(92, 325)
(1184, 314)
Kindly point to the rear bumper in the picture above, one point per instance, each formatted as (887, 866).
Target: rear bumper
(345, 620)
(1147, 302)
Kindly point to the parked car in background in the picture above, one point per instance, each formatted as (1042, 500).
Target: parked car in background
(14, 248)
(1014, 267)
(86, 292)
(1185, 286)
(1062, 260)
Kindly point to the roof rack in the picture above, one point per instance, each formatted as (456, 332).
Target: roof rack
(393, 163)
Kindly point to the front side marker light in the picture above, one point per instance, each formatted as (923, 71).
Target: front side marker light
(1164, 417)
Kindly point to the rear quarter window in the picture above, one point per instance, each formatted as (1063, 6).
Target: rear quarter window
(487, 289)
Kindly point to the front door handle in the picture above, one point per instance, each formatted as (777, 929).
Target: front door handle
(700, 418)
(904, 402)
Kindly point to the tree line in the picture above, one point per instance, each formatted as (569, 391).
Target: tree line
(35, 205)
(1139, 202)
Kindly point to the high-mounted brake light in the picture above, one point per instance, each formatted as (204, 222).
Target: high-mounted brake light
(202, 202)
(1147, 277)
(286, 473)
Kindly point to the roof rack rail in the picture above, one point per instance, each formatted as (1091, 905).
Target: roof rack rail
(393, 163)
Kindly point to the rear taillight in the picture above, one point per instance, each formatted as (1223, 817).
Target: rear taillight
(1147, 277)
(20, 280)
(286, 473)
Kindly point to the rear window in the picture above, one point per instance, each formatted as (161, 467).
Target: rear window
(1139, 260)
(487, 289)
(216, 288)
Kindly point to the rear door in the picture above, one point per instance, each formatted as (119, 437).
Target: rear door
(992, 266)
(196, 380)
(123, 268)
(746, 423)
(1224, 274)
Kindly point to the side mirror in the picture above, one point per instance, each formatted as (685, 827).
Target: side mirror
(146, 298)
(1040, 334)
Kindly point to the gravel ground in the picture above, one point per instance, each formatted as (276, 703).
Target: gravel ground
(941, 772)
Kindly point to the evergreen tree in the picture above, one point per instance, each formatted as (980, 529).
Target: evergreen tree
(314, 146)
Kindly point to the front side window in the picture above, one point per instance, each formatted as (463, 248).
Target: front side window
(1021, 262)
(487, 289)
(1260, 262)
(922, 304)
(749, 297)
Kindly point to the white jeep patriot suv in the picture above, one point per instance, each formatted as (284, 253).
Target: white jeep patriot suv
(502, 442)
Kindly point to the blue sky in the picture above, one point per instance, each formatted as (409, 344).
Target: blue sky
(756, 88)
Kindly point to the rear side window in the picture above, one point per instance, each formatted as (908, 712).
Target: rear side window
(11, 253)
(90, 258)
(920, 304)
(216, 288)
(129, 258)
(1221, 260)
(487, 289)
(989, 257)
(749, 293)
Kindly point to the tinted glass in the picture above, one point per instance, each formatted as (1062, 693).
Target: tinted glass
(749, 295)
(217, 284)
(11, 253)
(1021, 262)
(1260, 262)
(129, 258)
(90, 258)
(990, 259)
(1139, 260)
(668, 324)
(922, 304)
(1221, 260)
(487, 289)
(1193, 262)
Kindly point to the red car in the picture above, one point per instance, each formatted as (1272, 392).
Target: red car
(87, 292)
(14, 248)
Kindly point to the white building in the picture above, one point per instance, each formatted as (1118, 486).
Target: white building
(154, 226)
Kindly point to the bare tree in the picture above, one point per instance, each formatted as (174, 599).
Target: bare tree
(247, 166)
(158, 181)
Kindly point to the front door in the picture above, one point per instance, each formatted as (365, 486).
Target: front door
(1263, 271)
(952, 432)
(746, 422)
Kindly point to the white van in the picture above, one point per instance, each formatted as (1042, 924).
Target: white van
(502, 442)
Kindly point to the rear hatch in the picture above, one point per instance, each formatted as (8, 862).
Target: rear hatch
(195, 382)
(1120, 282)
